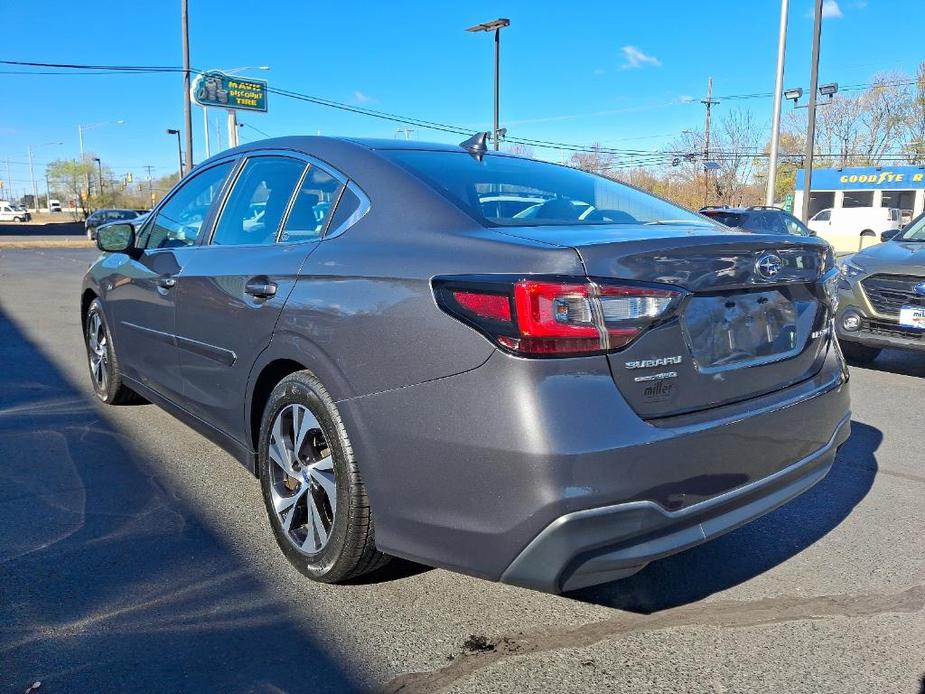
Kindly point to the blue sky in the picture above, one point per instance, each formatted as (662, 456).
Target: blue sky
(618, 73)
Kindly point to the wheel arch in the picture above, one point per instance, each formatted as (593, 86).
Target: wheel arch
(86, 298)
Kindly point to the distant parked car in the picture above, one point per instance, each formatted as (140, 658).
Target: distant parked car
(882, 296)
(101, 217)
(13, 213)
(849, 229)
(758, 219)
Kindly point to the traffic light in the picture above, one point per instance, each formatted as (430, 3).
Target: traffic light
(129, 176)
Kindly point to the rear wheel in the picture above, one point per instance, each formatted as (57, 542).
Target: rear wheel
(101, 357)
(856, 353)
(315, 498)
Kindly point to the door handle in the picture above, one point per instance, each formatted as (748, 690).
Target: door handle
(165, 282)
(260, 288)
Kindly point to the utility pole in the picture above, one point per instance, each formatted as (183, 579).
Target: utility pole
(9, 179)
(708, 102)
(35, 196)
(232, 128)
(811, 113)
(205, 123)
(187, 107)
(778, 97)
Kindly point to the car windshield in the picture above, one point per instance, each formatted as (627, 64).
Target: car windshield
(915, 231)
(554, 194)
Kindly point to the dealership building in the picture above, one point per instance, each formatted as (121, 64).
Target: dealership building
(866, 186)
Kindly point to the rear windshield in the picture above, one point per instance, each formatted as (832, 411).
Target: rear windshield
(730, 219)
(509, 191)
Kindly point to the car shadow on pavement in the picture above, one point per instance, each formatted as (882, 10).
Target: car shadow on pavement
(109, 578)
(898, 361)
(755, 548)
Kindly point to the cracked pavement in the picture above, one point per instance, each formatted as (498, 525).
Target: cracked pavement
(135, 555)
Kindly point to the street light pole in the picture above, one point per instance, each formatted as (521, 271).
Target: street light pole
(811, 113)
(100, 165)
(187, 106)
(495, 25)
(171, 131)
(778, 96)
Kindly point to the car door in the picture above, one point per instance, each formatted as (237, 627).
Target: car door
(141, 297)
(232, 289)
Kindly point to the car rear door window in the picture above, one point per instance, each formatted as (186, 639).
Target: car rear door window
(794, 225)
(312, 206)
(258, 201)
(179, 221)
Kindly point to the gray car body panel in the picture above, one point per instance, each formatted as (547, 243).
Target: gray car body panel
(468, 452)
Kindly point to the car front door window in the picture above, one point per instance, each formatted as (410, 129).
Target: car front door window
(179, 222)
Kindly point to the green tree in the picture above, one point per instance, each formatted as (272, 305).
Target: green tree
(70, 177)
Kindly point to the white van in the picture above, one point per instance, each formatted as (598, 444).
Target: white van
(54, 205)
(849, 229)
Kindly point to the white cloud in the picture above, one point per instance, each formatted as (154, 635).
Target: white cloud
(831, 10)
(634, 58)
(685, 99)
(361, 98)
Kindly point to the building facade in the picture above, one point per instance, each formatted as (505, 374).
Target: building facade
(865, 186)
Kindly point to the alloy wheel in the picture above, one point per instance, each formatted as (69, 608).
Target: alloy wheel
(98, 352)
(303, 484)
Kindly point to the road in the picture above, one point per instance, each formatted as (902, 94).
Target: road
(135, 556)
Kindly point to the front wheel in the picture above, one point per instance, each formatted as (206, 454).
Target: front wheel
(315, 498)
(104, 365)
(856, 353)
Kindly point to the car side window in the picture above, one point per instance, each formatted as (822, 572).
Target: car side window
(312, 206)
(346, 212)
(823, 216)
(258, 201)
(179, 222)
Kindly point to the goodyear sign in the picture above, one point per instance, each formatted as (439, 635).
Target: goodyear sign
(225, 91)
(866, 178)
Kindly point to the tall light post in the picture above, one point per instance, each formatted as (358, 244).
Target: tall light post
(35, 195)
(100, 166)
(496, 25)
(171, 131)
(187, 106)
(778, 95)
(811, 114)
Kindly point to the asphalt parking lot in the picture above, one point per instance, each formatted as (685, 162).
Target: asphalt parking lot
(135, 555)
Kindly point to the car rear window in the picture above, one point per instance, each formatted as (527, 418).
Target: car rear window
(550, 194)
(730, 219)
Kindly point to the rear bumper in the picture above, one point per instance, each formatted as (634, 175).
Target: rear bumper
(612, 542)
(527, 470)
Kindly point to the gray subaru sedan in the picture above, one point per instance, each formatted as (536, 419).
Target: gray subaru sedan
(410, 369)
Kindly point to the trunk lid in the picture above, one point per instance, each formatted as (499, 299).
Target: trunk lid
(754, 319)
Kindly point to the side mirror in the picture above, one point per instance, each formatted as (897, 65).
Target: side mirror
(118, 237)
(890, 234)
(812, 232)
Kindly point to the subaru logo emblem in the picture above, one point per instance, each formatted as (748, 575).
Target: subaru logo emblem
(919, 289)
(769, 265)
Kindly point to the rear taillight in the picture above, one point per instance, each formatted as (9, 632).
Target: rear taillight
(552, 316)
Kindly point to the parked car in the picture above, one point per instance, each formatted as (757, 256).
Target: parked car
(54, 206)
(849, 229)
(13, 213)
(551, 402)
(882, 296)
(758, 219)
(100, 217)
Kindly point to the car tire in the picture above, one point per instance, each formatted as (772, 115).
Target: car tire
(105, 374)
(856, 353)
(327, 542)
(17, 219)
